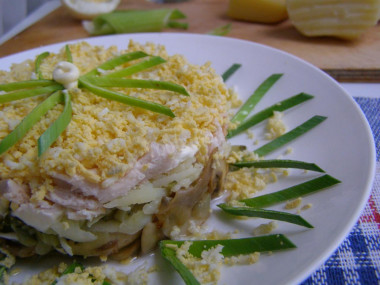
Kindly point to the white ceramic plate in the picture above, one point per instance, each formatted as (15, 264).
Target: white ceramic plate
(342, 145)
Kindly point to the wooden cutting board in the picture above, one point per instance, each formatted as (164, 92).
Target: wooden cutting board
(345, 60)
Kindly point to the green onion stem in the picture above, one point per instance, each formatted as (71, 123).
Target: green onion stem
(177, 25)
(140, 66)
(293, 192)
(239, 246)
(58, 126)
(125, 99)
(136, 21)
(136, 83)
(116, 61)
(268, 112)
(3, 269)
(276, 163)
(29, 121)
(252, 101)
(69, 56)
(266, 214)
(26, 84)
(221, 31)
(17, 95)
(289, 136)
(230, 71)
(38, 62)
(231, 247)
(170, 255)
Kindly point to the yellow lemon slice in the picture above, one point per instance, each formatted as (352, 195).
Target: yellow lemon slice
(89, 9)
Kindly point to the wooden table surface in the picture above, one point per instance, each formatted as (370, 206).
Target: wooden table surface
(345, 60)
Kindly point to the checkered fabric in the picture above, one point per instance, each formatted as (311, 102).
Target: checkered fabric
(357, 260)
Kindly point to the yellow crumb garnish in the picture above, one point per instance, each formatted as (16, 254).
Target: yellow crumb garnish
(250, 134)
(242, 259)
(264, 229)
(306, 207)
(293, 204)
(275, 127)
(205, 269)
(244, 183)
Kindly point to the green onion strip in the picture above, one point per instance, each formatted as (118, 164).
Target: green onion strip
(140, 66)
(136, 21)
(239, 246)
(277, 163)
(58, 126)
(122, 98)
(173, 23)
(268, 112)
(38, 62)
(231, 247)
(29, 121)
(69, 56)
(26, 84)
(136, 83)
(266, 214)
(252, 101)
(116, 61)
(170, 255)
(221, 30)
(3, 269)
(289, 136)
(230, 71)
(17, 95)
(293, 192)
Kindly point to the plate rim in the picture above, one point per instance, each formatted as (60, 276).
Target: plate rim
(329, 250)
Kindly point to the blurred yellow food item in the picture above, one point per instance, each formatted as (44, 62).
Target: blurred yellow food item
(261, 11)
(343, 19)
(89, 9)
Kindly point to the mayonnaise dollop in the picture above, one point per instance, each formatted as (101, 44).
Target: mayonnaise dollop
(67, 74)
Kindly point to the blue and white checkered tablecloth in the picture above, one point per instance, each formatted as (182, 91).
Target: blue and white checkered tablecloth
(357, 260)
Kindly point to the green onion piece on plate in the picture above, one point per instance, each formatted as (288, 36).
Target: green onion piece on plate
(125, 99)
(69, 56)
(289, 136)
(170, 255)
(28, 122)
(135, 21)
(268, 112)
(231, 247)
(38, 62)
(3, 269)
(293, 192)
(17, 95)
(140, 66)
(230, 71)
(239, 246)
(59, 125)
(136, 83)
(266, 214)
(221, 31)
(252, 101)
(276, 163)
(116, 61)
(26, 84)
